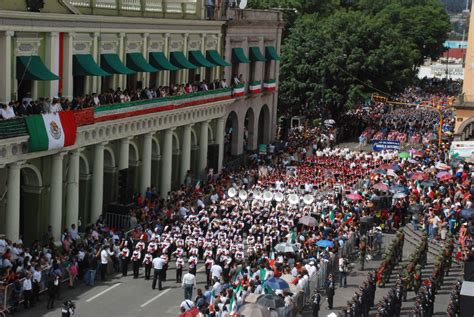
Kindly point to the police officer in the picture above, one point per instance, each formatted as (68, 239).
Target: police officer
(330, 290)
(316, 303)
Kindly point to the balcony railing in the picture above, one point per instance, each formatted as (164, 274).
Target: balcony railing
(170, 6)
(17, 127)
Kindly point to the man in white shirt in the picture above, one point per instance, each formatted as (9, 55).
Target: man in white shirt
(189, 283)
(158, 265)
(105, 254)
(36, 280)
(73, 232)
(186, 305)
(216, 272)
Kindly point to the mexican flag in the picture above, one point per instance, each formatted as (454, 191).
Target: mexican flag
(238, 90)
(269, 85)
(51, 131)
(255, 87)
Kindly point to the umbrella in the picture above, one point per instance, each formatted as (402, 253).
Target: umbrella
(276, 283)
(354, 196)
(325, 244)
(380, 186)
(396, 167)
(308, 221)
(399, 195)
(382, 172)
(412, 161)
(289, 279)
(442, 166)
(252, 297)
(441, 174)
(329, 122)
(386, 166)
(403, 155)
(398, 189)
(467, 213)
(271, 301)
(445, 177)
(418, 154)
(428, 183)
(419, 176)
(392, 173)
(254, 310)
(286, 247)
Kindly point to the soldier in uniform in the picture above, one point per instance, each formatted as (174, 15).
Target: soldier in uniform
(417, 279)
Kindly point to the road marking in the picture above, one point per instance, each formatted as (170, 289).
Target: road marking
(156, 297)
(201, 269)
(103, 292)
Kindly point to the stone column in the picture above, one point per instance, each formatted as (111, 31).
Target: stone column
(145, 180)
(51, 87)
(203, 144)
(228, 57)
(72, 204)
(6, 66)
(259, 66)
(12, 219)
(96, 80)
(166, 162)
(186, 152)
(124, 153)
(218, 70)
(97, 182)
(145, 75)
(185, 72)
(165, 75)
(244, 69)
(56, 195)
(121, 79)
(68, 83)
(220, 130)
(202, 70)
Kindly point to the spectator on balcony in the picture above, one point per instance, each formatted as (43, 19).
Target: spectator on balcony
(210, 9)
(224, 83)
(7, 112)
(22, 109)
(55, 106)
(236, 80)
(95, 100)
(203, 86)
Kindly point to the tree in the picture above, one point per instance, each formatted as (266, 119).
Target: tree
(338, 60)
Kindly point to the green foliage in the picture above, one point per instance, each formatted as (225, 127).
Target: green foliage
(337, 52)
(333, 61)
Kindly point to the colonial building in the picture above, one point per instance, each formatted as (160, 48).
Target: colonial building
(75, 47)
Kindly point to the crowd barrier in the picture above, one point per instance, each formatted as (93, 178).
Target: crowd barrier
(318, 280)
(6, 290)
(117, 221)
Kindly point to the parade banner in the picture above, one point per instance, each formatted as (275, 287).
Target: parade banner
(262, 149)
(269, 85)
(380, 145)
(238, 90)
(255, 87)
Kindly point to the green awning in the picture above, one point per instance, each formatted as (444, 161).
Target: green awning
(271, 53)
(198, 59)
(85, 65)
(138, 63)
(160, 62)
(179, 60)
(256, 55)
(111, 63)
(238, 56)
(33, 68)
(215, 57)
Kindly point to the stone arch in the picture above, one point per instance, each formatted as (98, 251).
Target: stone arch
(210, 135)
(133, 153)
(194, 139)
(232, 128)
(84, 167)
(264, 125)
(109, 157)
(250, 127)
(155, 146)
(176, 145)
(464, 131)
(31, 175)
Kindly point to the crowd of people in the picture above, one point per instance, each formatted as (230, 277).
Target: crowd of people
(28, 106)
(270, 227)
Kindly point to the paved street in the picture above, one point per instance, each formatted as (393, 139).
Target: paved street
(121, 297)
